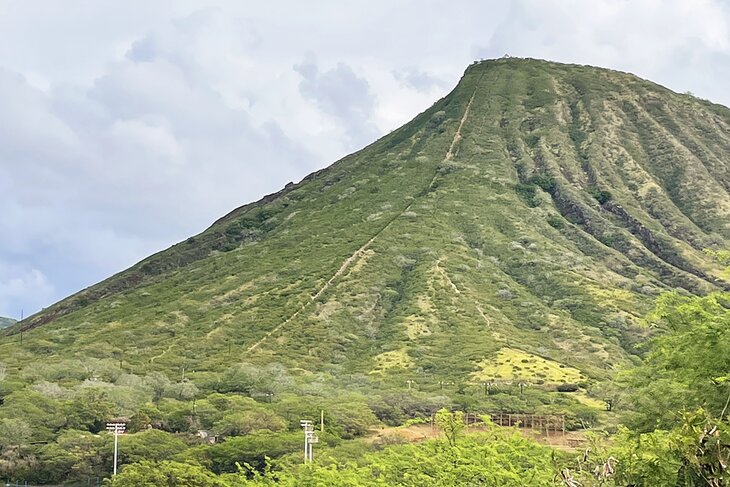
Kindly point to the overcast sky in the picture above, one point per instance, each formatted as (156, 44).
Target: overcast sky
(126, 126)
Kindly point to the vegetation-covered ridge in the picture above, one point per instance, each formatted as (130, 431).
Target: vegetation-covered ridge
(497, 254)
(538, 206)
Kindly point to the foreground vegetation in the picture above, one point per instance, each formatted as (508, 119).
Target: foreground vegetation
(684, 439)
(674, 406)
(689, 444)
(51, 432)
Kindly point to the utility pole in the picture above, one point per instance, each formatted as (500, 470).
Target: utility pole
(309, 439)
(312, 440)
(305, 424)
(117, 429)
(410, 382)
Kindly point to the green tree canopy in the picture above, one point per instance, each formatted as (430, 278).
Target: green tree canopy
(166, 474)
(688, 362)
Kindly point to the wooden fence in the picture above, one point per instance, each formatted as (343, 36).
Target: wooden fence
(544, 422)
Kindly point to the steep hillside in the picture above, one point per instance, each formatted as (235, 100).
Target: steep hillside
(516, 230)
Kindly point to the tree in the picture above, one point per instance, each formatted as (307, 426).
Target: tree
(89, 410)
(702, 443)
(165, 474)
(43, 414)
(253, 449)
(609, 392)
(139, 421)
(349, 419)
(75, 455)
(491, 459)
(153, 445)
(685, 363)
(183, 391)
(14, 432)
(252, 380)
(679, 399)
(451, 424)
(244, 422)
(18, 462)
(158, 383)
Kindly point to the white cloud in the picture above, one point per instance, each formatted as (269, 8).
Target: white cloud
(415, 78)
(342, 94)
(24, 287)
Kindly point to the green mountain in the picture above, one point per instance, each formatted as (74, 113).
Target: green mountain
(5, 322)
(516, 230)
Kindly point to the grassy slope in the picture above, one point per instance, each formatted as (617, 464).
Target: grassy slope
(429, 252)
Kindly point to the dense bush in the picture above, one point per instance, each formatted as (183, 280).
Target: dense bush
(166, 474)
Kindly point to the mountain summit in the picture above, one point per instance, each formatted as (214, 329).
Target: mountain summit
(518, 228)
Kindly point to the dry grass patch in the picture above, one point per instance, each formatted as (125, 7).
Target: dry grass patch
(513, 364)
(393, 359)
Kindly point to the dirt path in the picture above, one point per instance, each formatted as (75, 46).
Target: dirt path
(161, 354)
(453, 150)
(446, 276)
(484, 316)
(345, 265)
(360, 252)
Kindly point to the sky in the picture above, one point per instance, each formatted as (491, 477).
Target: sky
(128, 126)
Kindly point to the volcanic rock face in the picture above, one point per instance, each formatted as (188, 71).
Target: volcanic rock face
(533, 214)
